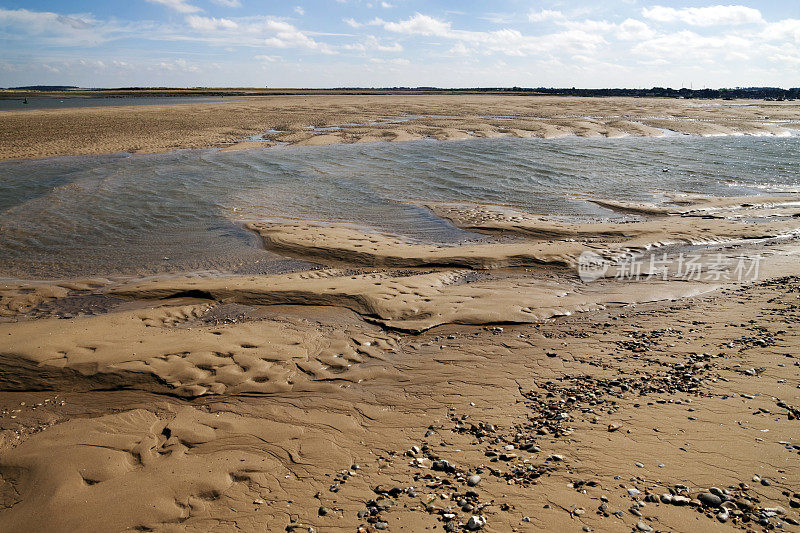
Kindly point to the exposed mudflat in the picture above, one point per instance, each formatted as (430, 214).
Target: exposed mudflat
(316, 120)
(406, 386)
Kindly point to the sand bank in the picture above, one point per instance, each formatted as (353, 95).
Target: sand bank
(408, 386)
(330, 119)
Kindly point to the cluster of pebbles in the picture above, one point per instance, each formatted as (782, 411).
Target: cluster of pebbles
(454, 492)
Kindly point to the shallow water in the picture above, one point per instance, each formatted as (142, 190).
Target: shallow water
(46, 102)
(146, 214)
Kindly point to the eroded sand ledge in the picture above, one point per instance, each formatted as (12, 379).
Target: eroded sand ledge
(333, 119)
(245, 403)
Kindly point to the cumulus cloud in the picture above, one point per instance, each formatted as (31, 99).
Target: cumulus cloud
(210, 23)
(633, 30)
(181, 6)
(506, 41)
(56, 29)
(288, 36)
(685, 44)
(784, 30)
(372, 43)
(396, 61)
(420, 24)
(178, 65)
(545, 15)
(705, 16)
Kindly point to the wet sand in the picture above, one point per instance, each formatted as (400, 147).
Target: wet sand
(407, 387)
(249, 122)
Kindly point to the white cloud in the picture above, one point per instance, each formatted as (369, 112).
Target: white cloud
(545, 15)
(687, 45)
(372, 43)
(705, 16)
(396, 61)
(210, 23)
(228, 3)
(181, 6)
(180, 65)
(506, 41)
(633, 30)
(288, 36)
(784, 30)
(386, 5)
(352, 23)
(299, 10)
(55, 29)
(420, 25)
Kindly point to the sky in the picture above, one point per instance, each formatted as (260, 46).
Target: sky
(386, 43)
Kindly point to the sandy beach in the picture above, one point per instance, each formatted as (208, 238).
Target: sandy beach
(414, 387)
(253, 122)
(385, 266)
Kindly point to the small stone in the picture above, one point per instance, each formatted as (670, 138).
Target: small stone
(634, 492)
(475, 523)
(709, 500)
(723, 516)
(765, 482)
(473, 480)
(381, 525)
(639, 465)
(641, 526)
(322, 511)
(666, 498)
(680, 500)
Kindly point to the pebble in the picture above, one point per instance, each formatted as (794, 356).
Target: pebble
(476, 522)
(473, 480)
(634, 492)
(641, 526)
(710, 500)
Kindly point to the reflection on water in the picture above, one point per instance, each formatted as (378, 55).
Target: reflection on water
(168, 212)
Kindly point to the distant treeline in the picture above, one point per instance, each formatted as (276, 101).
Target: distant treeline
(766, 93)
(773, 93)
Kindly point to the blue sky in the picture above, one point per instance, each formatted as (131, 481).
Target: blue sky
(467, 43)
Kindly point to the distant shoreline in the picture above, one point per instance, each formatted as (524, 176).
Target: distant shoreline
(772, 93)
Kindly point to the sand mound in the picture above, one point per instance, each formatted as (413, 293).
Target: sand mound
(170, 349)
